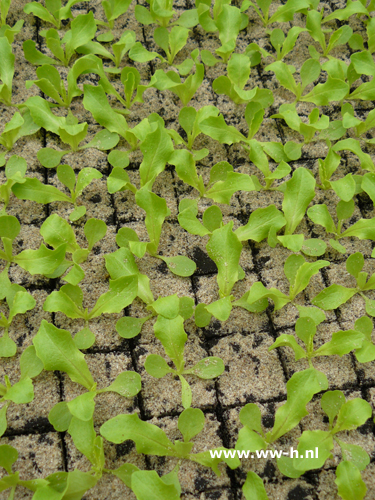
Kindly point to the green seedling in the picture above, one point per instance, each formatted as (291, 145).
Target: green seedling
(83, 29)
(284, 13)
(227, 19)
(301, 388)
(362, 229)
(315, 124)
(336, 295)
(172, 81)
(33, 189)
(171, 41)
(190, 120)
(15, 171)
(42, 261)
(161, 12)
(6, 71)
(216, 128)
(152, 440)
(342, 342)
(339, 37)
(69, 301)
(283, 45)
(53, 12)
(20, 392)
(298, 272)
(238, 70)
(343, 416)
(223, 182)
(352, 7)
(68, 129)
(57, 232)
(169, 329)
(156, 212)
(19, 301)
(113, 9)
(20, 125)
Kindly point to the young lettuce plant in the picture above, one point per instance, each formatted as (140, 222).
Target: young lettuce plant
(156, 211)
(172, 81)
(33, 189)
(83, 29)
(342, 342)
(335, 295)
(333, 89)
(283, 45)
(42, 261)
(298, 272)
(228, 20)
(339, 37)
(284, 13)
(15, 170)
(53, 12)
(21, 392)
(20, 125)
(6, 71)
(223, 183)
(190, 119)
(68, 129)
(161, 12)
(362, 229)
(6, 30)
(19, 301)
(113, 9)
(301, 388)
(343, 416)
(315, 124)
(238, 70)
(69, 301)
(57, 232)
(169, 329)
(151, 440)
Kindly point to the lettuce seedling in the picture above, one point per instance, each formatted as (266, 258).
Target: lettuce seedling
(343, 416)
(362, 229)
(53, 12)
(15, 171)
(19, 301)
(42, 261)
(161, 12)
(342, 342)
(20, 392)
(6, 71)
(156, 212)
(283, 45)
(83, 29)
(336, 295)
(238, 70)
(190, 119)
(33, 189)
(223, 183)
(169, 329)
(334, 89)
(113, 9)
(68, 129)
(20, 125)
(69, 300)
(289, 113)
(152, 440)
(298, 272)
(284, 13)
(301, 388)
(227, 19)
(171, 41)
(57, 231)
(352, 7)
(339, 37)
(172, 81)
